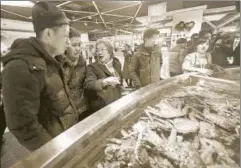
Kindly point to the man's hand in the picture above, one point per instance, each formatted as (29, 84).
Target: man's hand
(113, 81)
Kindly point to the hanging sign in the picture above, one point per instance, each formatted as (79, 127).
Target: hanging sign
(185, 23)
(156, 11)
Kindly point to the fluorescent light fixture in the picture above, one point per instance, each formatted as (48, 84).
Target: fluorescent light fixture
(165, 30)
(214, 17)
(229, 29)
(140, 29)
(18, 3)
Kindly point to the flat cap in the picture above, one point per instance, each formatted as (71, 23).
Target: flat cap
(46, 15)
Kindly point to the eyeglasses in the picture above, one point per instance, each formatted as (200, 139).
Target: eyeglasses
(102, 50)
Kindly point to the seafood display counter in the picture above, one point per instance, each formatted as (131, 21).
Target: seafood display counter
(230, 74)
(185, 121)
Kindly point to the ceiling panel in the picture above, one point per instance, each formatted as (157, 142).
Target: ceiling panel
(210, 4)
(12, 16)
(115, 19)
(109, 5)
(77, 15)
(19, 10)
(80, 5)
(74, 9)
(130, 11)
(228, 16)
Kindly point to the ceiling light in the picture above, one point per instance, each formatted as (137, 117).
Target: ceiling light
(18, 3)
(214, 17)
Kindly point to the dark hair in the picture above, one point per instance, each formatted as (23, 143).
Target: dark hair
(200, 41)
(73, 32)
(181, 41)
(91, 47)
(149, 33)
(127, 45)
(204, 32)
(194, 36)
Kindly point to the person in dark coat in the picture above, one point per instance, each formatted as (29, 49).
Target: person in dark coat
(128, 53)
(36, 97)
(2, 117)
(236, 55)
(191, 43)
(3, 123)
(91, 53)
(146, 63)
(223, 48)
(177, 55)
(74, 66)
(103, 78)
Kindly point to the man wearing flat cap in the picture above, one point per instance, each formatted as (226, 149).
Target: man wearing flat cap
(36, 98)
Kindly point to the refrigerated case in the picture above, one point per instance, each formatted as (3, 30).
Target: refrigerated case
(82, 145)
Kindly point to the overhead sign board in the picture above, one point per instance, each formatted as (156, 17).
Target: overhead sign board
(156, 11)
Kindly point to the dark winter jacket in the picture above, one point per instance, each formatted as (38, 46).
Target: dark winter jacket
(222, 49)
(36, 98)
(100, 97)
(145, 68)
(75, 76)
(126, 67)
(177, 55)
(236, 55)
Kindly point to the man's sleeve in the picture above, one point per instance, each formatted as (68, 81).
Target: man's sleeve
(21, 98)
(134, 66)
(161, 59)
(182, 56)
(209, 58)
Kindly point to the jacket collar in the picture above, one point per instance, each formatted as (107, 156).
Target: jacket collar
(31, 47)
(144, 52)
(103, 67)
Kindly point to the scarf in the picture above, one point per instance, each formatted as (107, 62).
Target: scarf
(70, 62)
(109, 66)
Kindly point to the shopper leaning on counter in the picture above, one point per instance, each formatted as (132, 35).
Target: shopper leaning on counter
(199, 59)
(74, 66)
(146, 63)
(36, 98)
(103, 78)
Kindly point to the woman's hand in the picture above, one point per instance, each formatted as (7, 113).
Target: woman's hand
(205, 71)
(113, 81)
